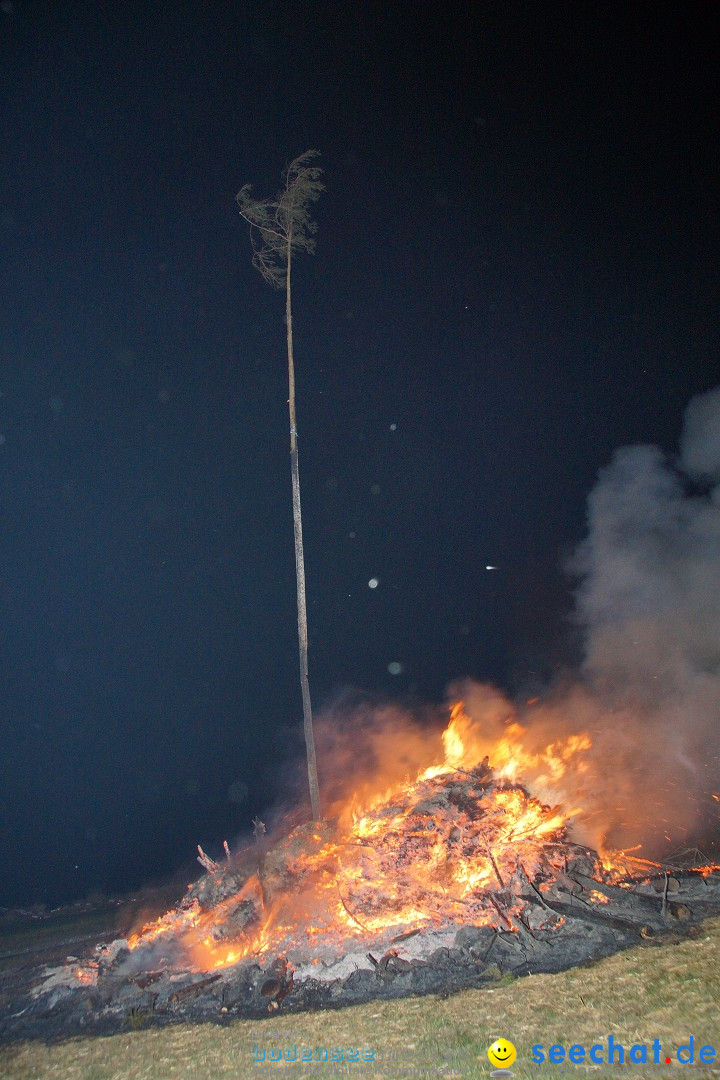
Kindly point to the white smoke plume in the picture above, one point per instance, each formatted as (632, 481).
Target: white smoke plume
(648, 693)
(650, 605)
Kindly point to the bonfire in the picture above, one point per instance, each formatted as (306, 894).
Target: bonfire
(450, 878)
(464, 843)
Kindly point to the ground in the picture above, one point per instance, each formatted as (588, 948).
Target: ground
(668, 991)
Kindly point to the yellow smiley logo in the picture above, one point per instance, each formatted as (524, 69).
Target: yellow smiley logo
(502, 1054)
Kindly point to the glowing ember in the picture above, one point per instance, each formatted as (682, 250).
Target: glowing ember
(86, 975)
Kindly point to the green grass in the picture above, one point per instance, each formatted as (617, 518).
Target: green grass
(667, 991)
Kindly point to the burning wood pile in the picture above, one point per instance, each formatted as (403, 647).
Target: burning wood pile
(446, 881)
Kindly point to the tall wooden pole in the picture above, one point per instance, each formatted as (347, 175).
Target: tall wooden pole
(300, 558)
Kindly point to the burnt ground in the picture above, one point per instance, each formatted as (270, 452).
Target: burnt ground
(567, 929)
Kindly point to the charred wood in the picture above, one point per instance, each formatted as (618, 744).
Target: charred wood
(193, 989)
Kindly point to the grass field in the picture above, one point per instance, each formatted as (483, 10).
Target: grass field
(668, 991)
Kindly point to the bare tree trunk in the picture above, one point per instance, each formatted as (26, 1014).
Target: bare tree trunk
(300, 561)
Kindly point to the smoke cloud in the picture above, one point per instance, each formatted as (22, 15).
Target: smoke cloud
(648, 692)
(650, 604)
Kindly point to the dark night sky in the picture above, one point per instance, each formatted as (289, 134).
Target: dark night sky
(516, 273)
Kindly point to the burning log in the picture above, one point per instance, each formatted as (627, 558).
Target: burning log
(193, 989)
(501, 883)
(271, 988)
(143, 981)
(404, 937)
(390, 965)
(206, 862)
(280, 983)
